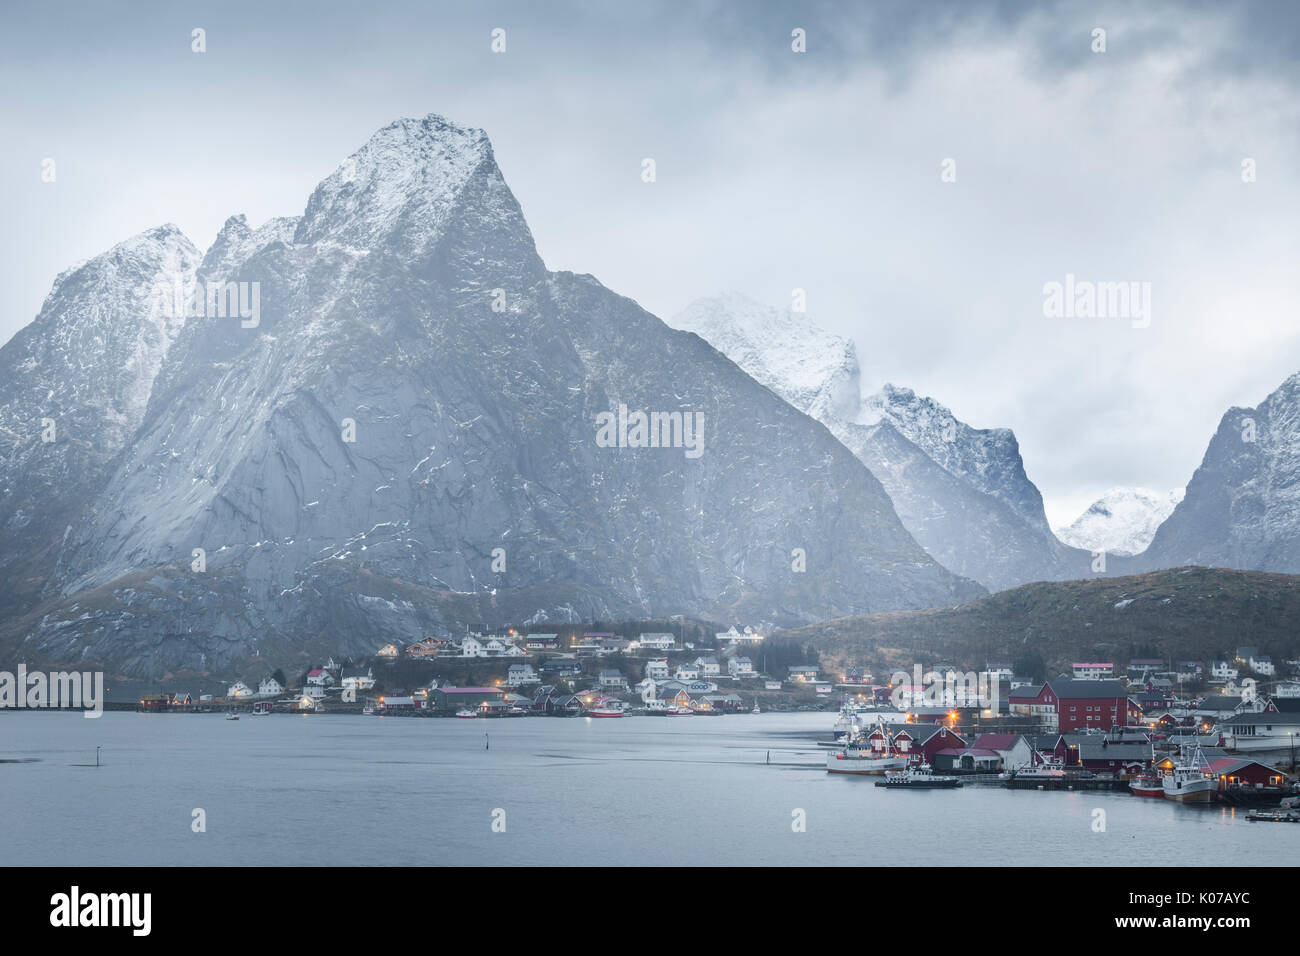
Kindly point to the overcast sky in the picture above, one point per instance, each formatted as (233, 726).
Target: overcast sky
(776, 170)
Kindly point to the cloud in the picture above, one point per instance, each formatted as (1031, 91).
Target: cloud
(776, 170)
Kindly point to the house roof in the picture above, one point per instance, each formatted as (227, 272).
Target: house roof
(1070, 689)
(997, 741)
(1286, 719)
(471, 690)
(1225, 765)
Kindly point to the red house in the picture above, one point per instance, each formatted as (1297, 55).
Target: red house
(924, 739)
(1064, 704)
(1236, 773)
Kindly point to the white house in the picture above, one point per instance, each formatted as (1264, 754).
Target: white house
(319, 677)
(772, 685)
(708, 666)
(612, 680)
(740, 667)
(388, 650)
(239, 689)
(500, 647)
(519, 674)
(471, 646)
(656, 641)
(1291, 689)
(733, 636)
(1223, 670)
(270, 687)
(657, 668)
(1262, 664)
(1094, 671)
(355, 678)
(687, 672)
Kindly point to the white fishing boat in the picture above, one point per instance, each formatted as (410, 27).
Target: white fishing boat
(262, 708)
(863, 760)
(1188, 782)
(368, 711)
(467, 713)
(232, 716)
(607, 708)
(755, 710)
(676, 711)
(861, 756)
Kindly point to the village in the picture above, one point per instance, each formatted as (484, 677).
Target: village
(537, 674)
(1234, 721)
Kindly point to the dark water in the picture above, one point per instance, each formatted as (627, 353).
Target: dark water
(312, 790)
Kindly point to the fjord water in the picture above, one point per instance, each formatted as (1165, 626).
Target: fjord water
(317, 790)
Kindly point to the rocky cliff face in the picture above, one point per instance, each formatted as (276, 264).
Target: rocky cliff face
(962, 492)
(1242, 506)
(74, 385)
(406, 438)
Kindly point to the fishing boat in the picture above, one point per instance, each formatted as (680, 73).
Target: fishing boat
(677, 711)
(1148, 785)
(232, 716)
(1188, 782)
(755, 710)
(846, 726)
(368, 711)
(860, 756)
(465, 712)
(262, 708)
(607, 708)
(919, 777)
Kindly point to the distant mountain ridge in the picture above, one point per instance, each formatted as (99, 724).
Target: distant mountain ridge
(403, 442)
(1242, 506)
(1176, 614)
(962, 492)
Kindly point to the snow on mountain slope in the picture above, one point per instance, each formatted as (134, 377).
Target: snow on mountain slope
(74, 385)
(814, 370)
(1122, 521)
(961, 492)
(407, 443)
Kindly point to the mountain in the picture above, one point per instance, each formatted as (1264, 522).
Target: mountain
(1176, 614)
(1122, 521)
(1242, 507)
(814, 370)
(962, 492)
(413, 426)
(74, 385)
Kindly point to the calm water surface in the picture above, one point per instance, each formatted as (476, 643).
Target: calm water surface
(315, 790)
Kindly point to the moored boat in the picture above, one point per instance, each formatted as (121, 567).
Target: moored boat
(1188, 782)
(466, 713)
(232, 716)
(262, 708)
(1148, 785)
(919, 777)
(676, 711)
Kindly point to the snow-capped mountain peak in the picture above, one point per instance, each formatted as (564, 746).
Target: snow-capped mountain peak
(813, 369)
(1122, 521)
(403, 187)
